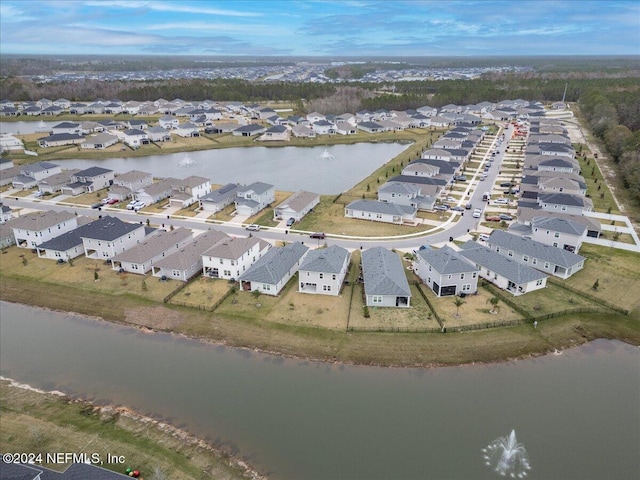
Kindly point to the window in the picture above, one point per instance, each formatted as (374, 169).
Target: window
(546, 265)
(266, 287)
(221, 261)
(525, 258)
(449, 277)
(227, 273)
(326, 288)
(534, 261)
(510, 253)
(555, 244)
(557, 234)
(497, 249)
(322, 275)
(377, 299)
(539, 282)
(475, 274)
(462, 276)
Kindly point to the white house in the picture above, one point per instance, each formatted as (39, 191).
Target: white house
(187, 130)
(133, 180)
(91, 179)
(250, 199)
(445, 271)
(108, 236)
(276, 133)
(189, 191)
(135, 137)
(381, 212)
(558, 232)
(158, 134)
(55, 183)
(99, 141)
(323, 271)
(169, 122)
(32, 229)
(274, 269)
(218, 199)
(232, 257)
(385, 283)
(156, 191)
(296, 206)
(323, 127)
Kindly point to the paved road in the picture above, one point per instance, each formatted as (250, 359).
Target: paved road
(454, 229)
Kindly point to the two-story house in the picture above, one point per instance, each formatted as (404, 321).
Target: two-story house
(445, 271)
(323, 271)
(189, 191)
(32, 229)
(91, 179)
(250, 199)
(232, 257)
(106, 237)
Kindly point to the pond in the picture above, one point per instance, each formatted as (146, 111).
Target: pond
(577, 415)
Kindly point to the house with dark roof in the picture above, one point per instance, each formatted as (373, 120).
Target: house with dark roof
(296, 206)
(558, 232)
(504, 272)
(218, 199)
(565, 203)
(249, 130)
(273, 270)
(546, 258)
(445, 271)
(66, 246)
(405, 194)
(91, 179)
(385, 283)
(135, 137)
(376, 211)
(60, 139)
(141, 257)
(187, 261)
(323, 127)
(32, 229)
(323, 271)
(276, 133)
(232, 257)
(108, 236)
(158, 134)
(5, 213)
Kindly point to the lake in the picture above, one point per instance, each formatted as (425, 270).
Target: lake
(576, 414)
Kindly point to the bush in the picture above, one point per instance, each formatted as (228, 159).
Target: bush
(365, 310)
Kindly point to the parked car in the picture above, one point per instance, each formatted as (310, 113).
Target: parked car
(458, 209)
(505, 217)
(291, 221)
(460, 178)
(112, 201)
(442, 207)
(38, 194)
(97, 205)
(106, 200)
(501, 201)
(253, 227)
(477, 213)
(468, 206)
(492, 218)
(317, 235)
(505, 184)
(483, 237)
(131, 204)
(139, 206)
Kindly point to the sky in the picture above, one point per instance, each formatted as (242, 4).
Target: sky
(320, 27)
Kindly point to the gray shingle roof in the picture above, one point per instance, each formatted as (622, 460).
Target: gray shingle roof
(275, 264)
(132, 176)
(446, 261)
(325, 260)
(93, 172)
(564, 199)
(257, 187)
(555, 224)
(383, 273)
(107, 228)
(222, 193)
(232, 248)
(153, 246)
(534, 249)
(67, 240)
(191, 253)
(40, 220)
(374, 206)
(503, 266)
(299, 201)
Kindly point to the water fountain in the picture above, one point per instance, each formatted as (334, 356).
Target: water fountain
(42, 127)
(507, 457)
(326, 155)
(186, 161)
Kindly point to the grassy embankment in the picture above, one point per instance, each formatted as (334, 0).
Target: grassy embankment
(41, 423)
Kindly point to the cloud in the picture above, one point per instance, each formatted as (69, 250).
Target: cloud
(12, 14)
(160, 6)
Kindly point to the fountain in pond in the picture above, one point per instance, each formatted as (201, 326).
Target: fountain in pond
(42, 127)
(187, 161)
(326, 155)
(507, 457)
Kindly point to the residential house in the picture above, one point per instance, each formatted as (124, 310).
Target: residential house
(91, 179)
(445, 271)
(385, 283)
(158, 134)
(296, 206)
(506, 273)
(156, 191)
(250, 199)
(273, 270)
(405, 194)
(5, 213)
(232, 257)
(55, 183)
(32, 229)
(60, 139)
(314, 117)
(249, 130)
(64, 247)
(99, 141)
(548, 259)
(421, 169)
(135, 137)
(187, 262)
(323, 271)
(133, 180)
(558, 232)
(324, 127)
(370, 127)
(187, 130)
(6, 163)
(169, 122)
(141, 257)
(66, 127)
(7, 238)
(303, 131)
(276, 133)
(189, 191)
(346, 128)
(565, 203)
(108, 236)
(218, 199)
(381, 212)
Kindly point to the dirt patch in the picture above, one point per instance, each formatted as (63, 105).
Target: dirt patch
(157, 318)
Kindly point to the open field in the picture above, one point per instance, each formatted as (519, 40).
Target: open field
(43, 423)
(617, 273)
(596, 186)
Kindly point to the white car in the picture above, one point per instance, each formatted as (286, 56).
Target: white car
(483, 237)
(477, 213)
(139, 206)
(253, 227)
(501, 201)
(131, 205)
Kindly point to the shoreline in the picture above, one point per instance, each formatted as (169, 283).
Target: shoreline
(166, 428)
(553, 349)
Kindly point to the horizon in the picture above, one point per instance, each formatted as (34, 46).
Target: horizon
(320, 29)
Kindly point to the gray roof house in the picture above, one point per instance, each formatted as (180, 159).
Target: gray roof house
(381, 212)
(249, 130)
(502, 271)
(232, 257)
(35, 228)
(385, 283)
(250, 199)
(6, 235)
(106, 237)
(323, 271)
(75, 471)
(445, 271)
(156, 191)
(565, 203)
(217, 199)
(555, 261)
(274, 269)
(140, 258)
(296, 206)
(66, 246)
(558, 232)
(187, 262)
(405, 194)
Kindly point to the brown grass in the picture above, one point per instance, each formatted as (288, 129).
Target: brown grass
(203, 292)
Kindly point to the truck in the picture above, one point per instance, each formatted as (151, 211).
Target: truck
(486, 196)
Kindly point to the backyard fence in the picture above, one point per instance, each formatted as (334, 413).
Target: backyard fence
(588, 296)
(428, 302)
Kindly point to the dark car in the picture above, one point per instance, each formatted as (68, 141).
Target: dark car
(504, 216)
(468, 206)
(458, 209)
(505, 184)
(97, 205)
(291, 221)
(441, 207)
(318, 235)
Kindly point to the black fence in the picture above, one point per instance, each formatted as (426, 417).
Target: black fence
(588, 296)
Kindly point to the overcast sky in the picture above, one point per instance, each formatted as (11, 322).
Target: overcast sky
(320, 27)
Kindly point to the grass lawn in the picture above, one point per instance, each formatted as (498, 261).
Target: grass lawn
(475, 309)
(44, 423)
(551, 299)
(202, 291)
(617, 273)
(87, 198)
(602, 199)
(80, 275)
